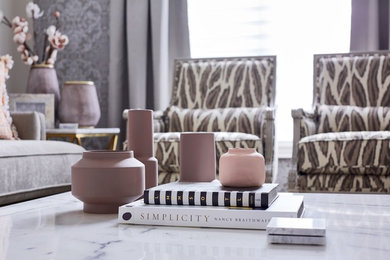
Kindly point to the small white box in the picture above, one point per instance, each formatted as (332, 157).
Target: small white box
(305, 231)
(297, 226)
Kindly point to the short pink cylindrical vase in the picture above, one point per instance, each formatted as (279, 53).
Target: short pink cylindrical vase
(105, 180)
(242, 167)
(197, 157)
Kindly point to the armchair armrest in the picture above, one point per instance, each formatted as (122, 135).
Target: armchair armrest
(30, 125)
(159, 117)
(159, 121)
(304, 125)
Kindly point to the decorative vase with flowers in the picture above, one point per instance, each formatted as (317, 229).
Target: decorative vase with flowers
(42, 76)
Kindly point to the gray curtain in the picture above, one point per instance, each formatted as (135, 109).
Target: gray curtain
(145, 37)
(370, 25)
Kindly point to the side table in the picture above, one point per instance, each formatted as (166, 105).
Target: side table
(78, 133)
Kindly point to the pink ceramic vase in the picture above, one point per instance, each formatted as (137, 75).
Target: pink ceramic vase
(197, 157)
(42, 78)
(105, 180)
(79, 104)
(140, 140)
(242, 167)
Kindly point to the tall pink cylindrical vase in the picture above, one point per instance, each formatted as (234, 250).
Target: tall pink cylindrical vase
(105, 180)
(197, 157)
(140, 140)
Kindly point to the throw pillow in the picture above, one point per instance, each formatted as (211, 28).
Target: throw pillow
(7, 130)
(237, 119)
(353, 118)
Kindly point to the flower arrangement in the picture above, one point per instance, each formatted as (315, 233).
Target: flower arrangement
(54, 39)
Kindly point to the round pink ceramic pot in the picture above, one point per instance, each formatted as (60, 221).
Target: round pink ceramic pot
(242, 167)
(105, 180)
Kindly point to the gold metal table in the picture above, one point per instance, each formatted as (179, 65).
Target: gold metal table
(77, 134)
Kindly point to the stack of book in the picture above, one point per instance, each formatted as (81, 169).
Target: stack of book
(209, 204)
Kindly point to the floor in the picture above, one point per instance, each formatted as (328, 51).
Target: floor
(284, 166)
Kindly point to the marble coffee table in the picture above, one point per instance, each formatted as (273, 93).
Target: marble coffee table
(55, 227)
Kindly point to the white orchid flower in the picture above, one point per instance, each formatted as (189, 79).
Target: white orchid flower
(20, 48)
(18, 21)
(19, 29)
(58, 40)
(51, 30)
(1, 15)
(29, 61)
(19, 38)
(33, 10)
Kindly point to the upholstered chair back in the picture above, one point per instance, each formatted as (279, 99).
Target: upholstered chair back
(224, 82)
(222, 94)
(352, 79)
(352, 92)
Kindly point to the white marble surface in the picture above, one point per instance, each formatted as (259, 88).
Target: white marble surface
(83, 131)
(297, 226)
(358, 227)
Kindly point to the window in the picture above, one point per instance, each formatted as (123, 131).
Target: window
(292, 30)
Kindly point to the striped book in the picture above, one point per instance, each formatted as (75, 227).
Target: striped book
(210, 194)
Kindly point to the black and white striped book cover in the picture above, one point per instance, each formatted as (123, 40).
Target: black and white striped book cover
(210, 194)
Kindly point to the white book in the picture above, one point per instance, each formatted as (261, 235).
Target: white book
(285, 205)
(210, 194)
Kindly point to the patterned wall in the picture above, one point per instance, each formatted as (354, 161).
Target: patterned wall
(86, 57)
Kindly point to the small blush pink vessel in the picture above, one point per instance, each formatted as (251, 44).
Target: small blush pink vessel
(242, 167)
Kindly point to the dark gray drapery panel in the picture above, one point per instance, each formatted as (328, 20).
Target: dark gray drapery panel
(370, 25)
(145, 37)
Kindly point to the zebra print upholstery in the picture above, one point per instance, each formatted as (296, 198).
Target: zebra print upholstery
(344, 143)
(232, 97)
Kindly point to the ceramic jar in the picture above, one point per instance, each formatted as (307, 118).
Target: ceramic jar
(79, 104)
(105, 180)
(242, 167)
(197, 157)
(42, 78)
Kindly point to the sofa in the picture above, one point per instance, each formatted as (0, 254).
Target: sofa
(32, 167)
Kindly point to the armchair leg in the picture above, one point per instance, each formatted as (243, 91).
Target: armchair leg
(292, 181)
(268, 175)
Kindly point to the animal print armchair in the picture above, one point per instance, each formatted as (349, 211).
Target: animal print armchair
(343, 145)
(232, 97)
